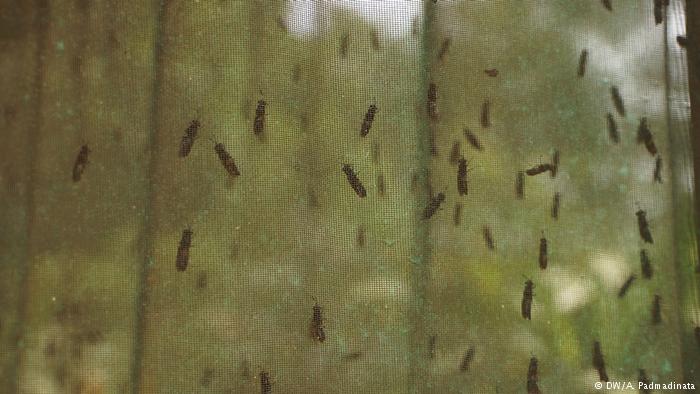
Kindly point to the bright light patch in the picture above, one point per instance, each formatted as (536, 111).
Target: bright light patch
(393, 18)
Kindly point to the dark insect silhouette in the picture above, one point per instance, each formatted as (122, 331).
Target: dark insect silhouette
(617, 100)
(644, 135)
(612, 129)
(656, 310)
(696, 332)
(682, 41)
(361, 236)
(491, 72)
(456, 153)
(486, 114)
(532, 387)
(444, 48)
(369, 118)
(433, 205)
(457, 218)
(582, 61)
(488, 238)
(462, 185)
(607, 4)
(599, 362)
(556, 201)
(189, 137)
(626, 286)
(526, 305)
(644, 227)
(226, 159)
(183, 251)
(543, 252)
(265, 383)
(555, 164)
(432, 101)
(539, 169)
(317, 328)
(374, 39)
(657, 170)
(344, 43)
(431, 346)
(647, 270)
(381, 188)
(520, 185)
(354, 181)
(658, 11)
(80, 163)
(473, 141)
(467, 359)
(259, 122)
(643, 388)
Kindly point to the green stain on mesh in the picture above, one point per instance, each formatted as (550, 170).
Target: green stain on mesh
(416, 259)
(567, 346)
(666, 367)
(601, 213)
(60, 46)
(342, 344)
(295, 280)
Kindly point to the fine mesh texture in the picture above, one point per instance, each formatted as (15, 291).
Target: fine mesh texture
(92, 301)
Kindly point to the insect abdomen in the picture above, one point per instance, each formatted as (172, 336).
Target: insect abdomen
(183, 251)
(80, 163)
(354, 181)
(226, 160)
(526, 306)
(188, 139)
(259, 122)
(367, 122)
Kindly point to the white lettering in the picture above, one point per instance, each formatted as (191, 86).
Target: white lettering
(619, 385)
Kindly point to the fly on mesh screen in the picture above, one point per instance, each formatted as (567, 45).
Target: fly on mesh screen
(441, 196)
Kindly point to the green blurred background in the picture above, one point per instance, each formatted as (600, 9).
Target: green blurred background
(92, 301)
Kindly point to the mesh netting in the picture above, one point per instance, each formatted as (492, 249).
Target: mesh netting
(345, 196)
